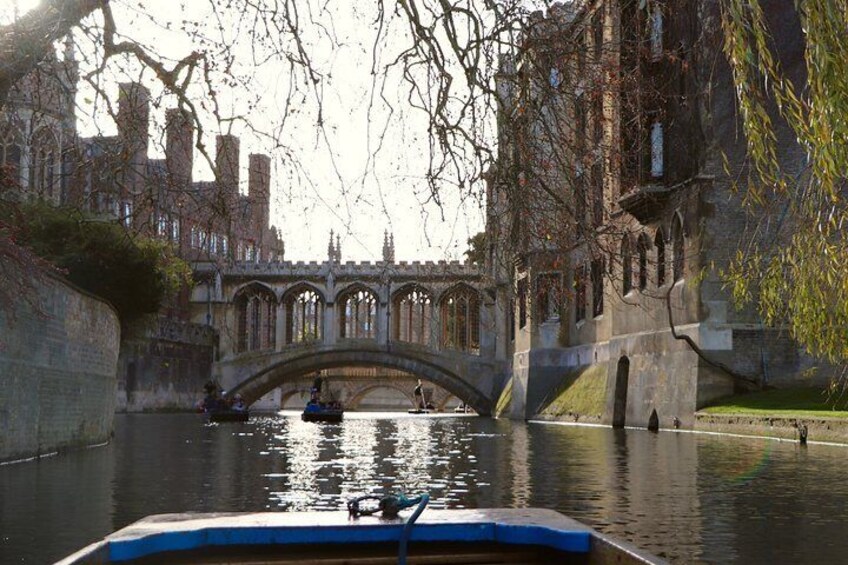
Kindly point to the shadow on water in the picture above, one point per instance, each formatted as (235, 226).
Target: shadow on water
(683, 496)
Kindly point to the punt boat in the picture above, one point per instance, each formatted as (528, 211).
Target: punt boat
(442, 537)
(322, 412)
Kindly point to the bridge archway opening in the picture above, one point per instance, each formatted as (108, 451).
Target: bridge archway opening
(289, 368)
(384, 397)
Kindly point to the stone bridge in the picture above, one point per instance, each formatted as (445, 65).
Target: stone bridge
(282, 321)
(368, 388)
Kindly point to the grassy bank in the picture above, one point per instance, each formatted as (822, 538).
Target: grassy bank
(786, 403)
(581, 394)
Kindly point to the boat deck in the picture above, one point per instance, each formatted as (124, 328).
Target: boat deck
(491, 536)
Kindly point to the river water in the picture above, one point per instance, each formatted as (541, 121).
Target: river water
(687, 497)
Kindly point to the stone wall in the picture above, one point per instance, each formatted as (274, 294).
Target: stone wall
(166, 369)
(57, 372)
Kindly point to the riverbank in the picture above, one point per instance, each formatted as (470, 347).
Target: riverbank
(778, 414)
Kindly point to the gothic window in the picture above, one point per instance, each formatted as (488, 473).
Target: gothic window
(304, 315)
(162, 225)
(580, 293)
(412, 311)
(194, 240)
(597, 287)
(626, 266)
(548, 292)
(659, 242)
(657, 150)
(256, 318)
(642, 249)
(175, 229)
(357, 314)
(10, 155)
(656, 31)
(44, 158)
(677, 249)
(460, 313)
(127, 213)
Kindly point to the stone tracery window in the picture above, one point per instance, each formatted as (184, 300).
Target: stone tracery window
(44, 159)
(460, 313)
(548, 296)
(626, 266)
(304, 315)
(412, 311)
(10, 155)
(659, 242)
(642, 247)
(256, 318)
(357, 313)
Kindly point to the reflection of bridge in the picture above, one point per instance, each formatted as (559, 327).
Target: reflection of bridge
(282, 321)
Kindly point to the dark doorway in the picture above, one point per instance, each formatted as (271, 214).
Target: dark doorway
(654, 422)
(620, 406)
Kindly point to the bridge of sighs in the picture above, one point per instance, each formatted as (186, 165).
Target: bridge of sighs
(283, 321)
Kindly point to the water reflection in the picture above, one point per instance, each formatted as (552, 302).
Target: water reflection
(687, 497)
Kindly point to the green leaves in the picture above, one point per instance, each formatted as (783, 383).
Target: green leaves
(797, 277)
(135, 274)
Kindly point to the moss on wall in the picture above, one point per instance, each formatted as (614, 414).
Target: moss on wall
(582, 394)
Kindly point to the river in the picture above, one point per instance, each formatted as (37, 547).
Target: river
(686, 497)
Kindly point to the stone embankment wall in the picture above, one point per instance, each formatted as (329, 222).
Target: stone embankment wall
(818, 428)
(58, 359)
(166, 370)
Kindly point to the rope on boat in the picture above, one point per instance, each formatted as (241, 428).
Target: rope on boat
(391, 506)
(407, 528)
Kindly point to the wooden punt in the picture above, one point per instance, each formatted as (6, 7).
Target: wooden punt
(439, 537)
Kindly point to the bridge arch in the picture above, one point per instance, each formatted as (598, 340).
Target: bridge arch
(252, 285)
(281, 369)
(361, 393)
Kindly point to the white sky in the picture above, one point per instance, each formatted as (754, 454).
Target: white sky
(357, 205)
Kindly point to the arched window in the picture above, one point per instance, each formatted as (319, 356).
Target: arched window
(256, 318)
(10, 156)
(460, 312)
(412, 310)
(678, 260)
(304, 315)
(357, 314)
(45, 150)
(642, 246)
(659, 243)
(626, 266)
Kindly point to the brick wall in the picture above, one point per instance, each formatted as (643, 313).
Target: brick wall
(57, 372)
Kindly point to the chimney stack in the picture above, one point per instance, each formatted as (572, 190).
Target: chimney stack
(179, 146)
(227, 165)
(259, 190)
(133, 122)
